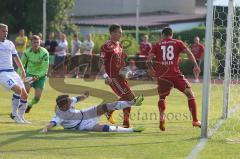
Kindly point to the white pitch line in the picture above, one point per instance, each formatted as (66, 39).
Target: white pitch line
(197, 149)
(200, 146)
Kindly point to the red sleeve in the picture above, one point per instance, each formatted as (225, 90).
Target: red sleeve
(182, 46)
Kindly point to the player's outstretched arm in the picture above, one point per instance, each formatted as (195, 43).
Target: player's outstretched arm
(151, 70)
(48, 127)
(20, 66)
(82, 97)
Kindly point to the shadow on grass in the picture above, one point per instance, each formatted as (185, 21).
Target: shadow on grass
(4, 114)
(30, 134)
(76, 135)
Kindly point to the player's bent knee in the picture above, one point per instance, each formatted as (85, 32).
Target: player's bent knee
(104, 108)
(24, 94)
(101, 109)
(189, 93)
(127, 97)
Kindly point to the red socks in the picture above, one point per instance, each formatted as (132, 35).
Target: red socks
(126, 114)
(161, 108)
(193, 108)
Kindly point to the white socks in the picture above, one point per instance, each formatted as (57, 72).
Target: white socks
(21, 109)
(119, 129)
(15, 103)
(119, 105)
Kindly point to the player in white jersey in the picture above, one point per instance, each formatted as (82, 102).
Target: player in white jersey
(9, 78)
(88, 119)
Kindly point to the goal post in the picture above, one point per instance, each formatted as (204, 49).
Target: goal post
(221, 76)
(207, 68)
(227, 70)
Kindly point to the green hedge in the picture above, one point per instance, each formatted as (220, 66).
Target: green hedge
(186, 67)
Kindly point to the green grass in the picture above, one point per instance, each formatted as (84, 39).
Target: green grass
(25, 141)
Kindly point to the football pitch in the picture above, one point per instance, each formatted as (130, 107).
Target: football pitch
(26, 142)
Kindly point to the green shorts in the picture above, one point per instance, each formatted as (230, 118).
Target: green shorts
(39, 83)
(51, 59)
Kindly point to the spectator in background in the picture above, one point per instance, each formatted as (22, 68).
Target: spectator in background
(29, 39)
(132, 66)
(21, 42)
(61, 52)
(144, 50)
(76, 45)
(58, 37)
(51, 45)
(133, 72)
(41, 39)
(198, 52)
(145, 47)
(88, 46)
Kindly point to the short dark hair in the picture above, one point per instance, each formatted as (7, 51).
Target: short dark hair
(114, 27)
(61, 100)
(35, 37)
(167, 31)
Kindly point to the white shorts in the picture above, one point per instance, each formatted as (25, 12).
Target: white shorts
(10, 79)
(88, 124)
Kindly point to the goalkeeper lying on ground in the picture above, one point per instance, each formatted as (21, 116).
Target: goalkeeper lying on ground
(88, 119)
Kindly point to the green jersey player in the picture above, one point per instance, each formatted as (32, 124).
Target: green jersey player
(36, 60)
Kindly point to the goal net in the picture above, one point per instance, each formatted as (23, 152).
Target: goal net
(221, 103)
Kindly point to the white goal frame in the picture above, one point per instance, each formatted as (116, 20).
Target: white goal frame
(207, 64)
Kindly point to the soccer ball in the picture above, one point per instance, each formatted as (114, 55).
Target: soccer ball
(126, 73)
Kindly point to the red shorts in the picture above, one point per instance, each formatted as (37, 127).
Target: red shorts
(120, 86)
(165, 84)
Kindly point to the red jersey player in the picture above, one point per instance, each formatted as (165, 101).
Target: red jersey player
(198, 52)
(145, 46)
(113, 61)
(168, 73)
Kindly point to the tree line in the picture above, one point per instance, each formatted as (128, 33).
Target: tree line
(28, 14)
